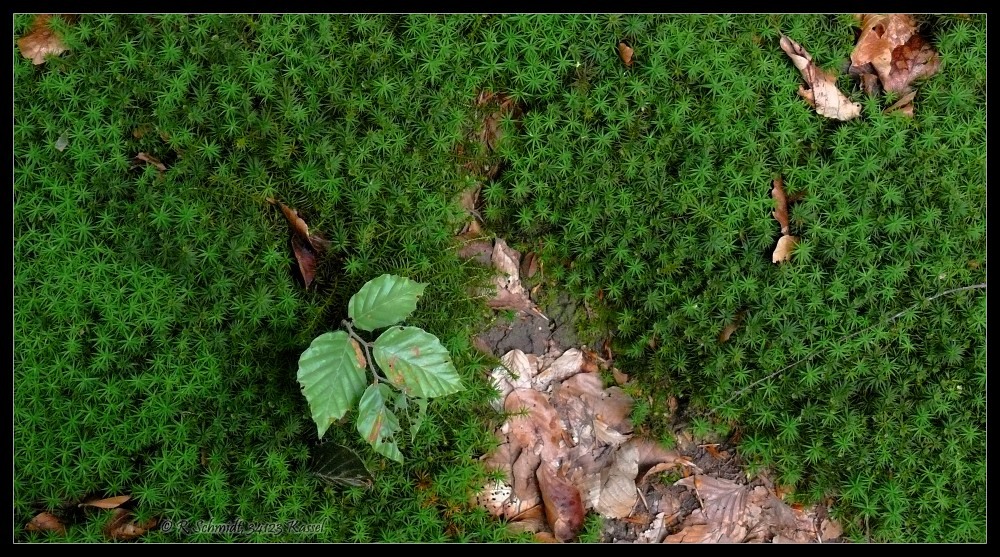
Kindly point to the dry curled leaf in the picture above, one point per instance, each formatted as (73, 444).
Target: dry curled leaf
(563, 503)
(122, 526)
(109, 503)
(780, 212)
(306, 246)
(821, 91)
(150, 159)
(890, 45)
(783, 251)
(41, 41)
(46, 522)
(626, 53)
(904, 105)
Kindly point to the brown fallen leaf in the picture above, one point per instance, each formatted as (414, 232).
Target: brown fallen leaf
(41, 41)
(780, 212)
(529, 267)
(147, 158)
(567, 365)
(904, 105)
(890, 45)
(626, 53)
(620, 377)
(122, 526)
(109, 503)
(306, 246)
(783, 251)
(618, 494)
(46, 522)
(821, 91)
(563, 503)
(727, 332)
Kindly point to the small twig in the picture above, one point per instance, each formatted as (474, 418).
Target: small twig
(852, 335)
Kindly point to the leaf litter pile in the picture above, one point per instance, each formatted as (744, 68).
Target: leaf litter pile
(568, 448)
(890, 55)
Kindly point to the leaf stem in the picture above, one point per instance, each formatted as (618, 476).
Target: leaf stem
(852, 335)
(346, 323)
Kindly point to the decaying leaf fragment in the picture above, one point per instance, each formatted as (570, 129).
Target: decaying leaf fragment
(307, 247)
(783, 251)
(150, 159)
(890, 46)
(563, 504)
(625, 52)
(821, 88)
(122, 526)
(46, 522)
(108, 503)
(41, 41)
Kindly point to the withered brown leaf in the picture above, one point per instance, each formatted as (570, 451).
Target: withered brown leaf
(122, 526)
(145, 157)
(46, 522)
(563, 503)
(306, 246)
(890, 45)
(780, 212)
(821, 91)
(783, 251)
(108, 503)
(41, 41)
(626, 53)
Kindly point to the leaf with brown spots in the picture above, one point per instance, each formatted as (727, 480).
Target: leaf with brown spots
(109, 503)
(563, 503)
(41, 42)
(626, 53)
(46, 522)
(821, 90)
(359, 353)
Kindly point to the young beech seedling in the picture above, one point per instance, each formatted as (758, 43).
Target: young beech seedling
(409, 363)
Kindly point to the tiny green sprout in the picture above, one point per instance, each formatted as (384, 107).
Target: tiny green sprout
(405, 363)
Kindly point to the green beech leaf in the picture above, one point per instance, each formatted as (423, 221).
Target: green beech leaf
(416, 363)
(332, 376)
(384, 301)
(376, 423)
(340, 466)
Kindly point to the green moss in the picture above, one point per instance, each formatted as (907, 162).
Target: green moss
(157, 324)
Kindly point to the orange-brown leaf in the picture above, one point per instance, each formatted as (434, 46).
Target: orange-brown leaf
(563, 503)
(46, 522)
(626, 53)
(41, 41)
(780, 212)
(109, 503)
(727, 332)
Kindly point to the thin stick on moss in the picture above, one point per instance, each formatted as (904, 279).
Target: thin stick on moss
(852, 335)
